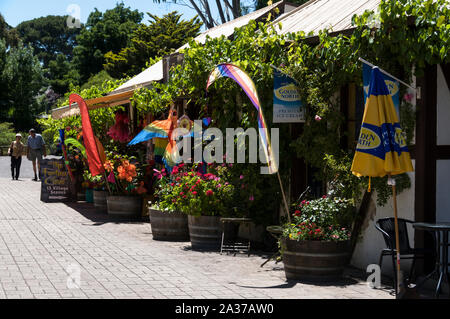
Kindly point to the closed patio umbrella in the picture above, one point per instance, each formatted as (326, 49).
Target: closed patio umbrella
(382, 148)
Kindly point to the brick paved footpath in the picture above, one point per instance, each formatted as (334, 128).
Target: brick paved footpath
(38, 243)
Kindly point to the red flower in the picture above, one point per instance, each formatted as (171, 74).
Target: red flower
(298, 213)
(324, 196)
(194, 193)
(209, 193)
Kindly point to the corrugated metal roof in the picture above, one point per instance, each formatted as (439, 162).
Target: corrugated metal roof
(153, 73)
(317, 15)
(227, 29)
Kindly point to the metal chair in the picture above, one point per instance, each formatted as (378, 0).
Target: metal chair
(387, 227)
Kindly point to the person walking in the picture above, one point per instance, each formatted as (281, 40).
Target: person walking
(36, 151)
(16, 152)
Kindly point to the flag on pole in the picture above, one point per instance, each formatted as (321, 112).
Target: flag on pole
(243, 79)
(94, 160)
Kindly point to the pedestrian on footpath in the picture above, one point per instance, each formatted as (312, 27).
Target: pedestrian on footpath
(16, 152)
(36, 151)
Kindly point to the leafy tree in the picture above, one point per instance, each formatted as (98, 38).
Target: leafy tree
(104, 32)
(227, 10)
(24, 76)
(150, 41)
(7, 33)
(7, 134)
(97, 80)
(3, 81)
(63, 73)
(49, 37)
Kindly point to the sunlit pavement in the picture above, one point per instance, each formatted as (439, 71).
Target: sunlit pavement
(57, 251)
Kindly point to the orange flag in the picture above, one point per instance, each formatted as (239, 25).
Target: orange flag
(95, 163)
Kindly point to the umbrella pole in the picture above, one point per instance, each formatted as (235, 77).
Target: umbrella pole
(397, 241)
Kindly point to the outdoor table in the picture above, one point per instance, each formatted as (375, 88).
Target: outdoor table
(440, 231)
(276, 232)
(234, 246)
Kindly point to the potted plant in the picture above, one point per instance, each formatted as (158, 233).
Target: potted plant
(125, 182)
(316, 245)
(205, 198)
(98, 188)
(168, 224)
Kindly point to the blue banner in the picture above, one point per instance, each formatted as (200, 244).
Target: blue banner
(393, 86)
(287, 106)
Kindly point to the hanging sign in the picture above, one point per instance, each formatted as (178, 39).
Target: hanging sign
(56, 184)
(287, 106)
(393, 86)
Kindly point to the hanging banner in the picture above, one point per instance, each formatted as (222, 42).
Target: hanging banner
(287, 106)
(393, 86)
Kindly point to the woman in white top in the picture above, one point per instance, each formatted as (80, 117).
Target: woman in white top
(16, 151)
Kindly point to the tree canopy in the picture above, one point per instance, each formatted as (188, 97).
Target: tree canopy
(49, 36)
(104, 32)
(22, 76)
(157, 39)
(7, 33)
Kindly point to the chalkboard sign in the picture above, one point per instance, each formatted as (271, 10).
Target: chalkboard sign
(56, 184)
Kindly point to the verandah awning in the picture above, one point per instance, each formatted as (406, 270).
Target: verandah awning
(93, 104)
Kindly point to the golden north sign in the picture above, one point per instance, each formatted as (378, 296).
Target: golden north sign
(288, 93)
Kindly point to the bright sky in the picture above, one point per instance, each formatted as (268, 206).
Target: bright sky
(16, 11)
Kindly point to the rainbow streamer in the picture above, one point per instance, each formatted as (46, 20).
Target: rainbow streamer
(243, 79)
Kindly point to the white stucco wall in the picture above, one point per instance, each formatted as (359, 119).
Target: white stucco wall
(443, 138)
(371, 242)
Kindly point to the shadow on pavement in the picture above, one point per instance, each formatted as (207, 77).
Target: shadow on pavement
(100, 218)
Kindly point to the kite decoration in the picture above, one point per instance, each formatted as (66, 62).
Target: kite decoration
(243, 79)
(90, 141)
(162, 132)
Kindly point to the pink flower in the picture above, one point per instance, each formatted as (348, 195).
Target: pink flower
(318, 118)
(408, 97)
(252, 198)
(175, 170)
(242, 177)
(194, 193)
(112, 178)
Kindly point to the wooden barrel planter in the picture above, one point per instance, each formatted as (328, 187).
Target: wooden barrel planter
(81, 196)
(169, 226)
(124, 206)
(205, 232)
(100, 200)
(315, 260)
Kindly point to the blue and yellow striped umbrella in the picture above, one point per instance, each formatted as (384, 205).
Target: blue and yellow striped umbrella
(382, 148)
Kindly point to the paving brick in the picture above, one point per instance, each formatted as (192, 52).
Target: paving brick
(38, 243)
